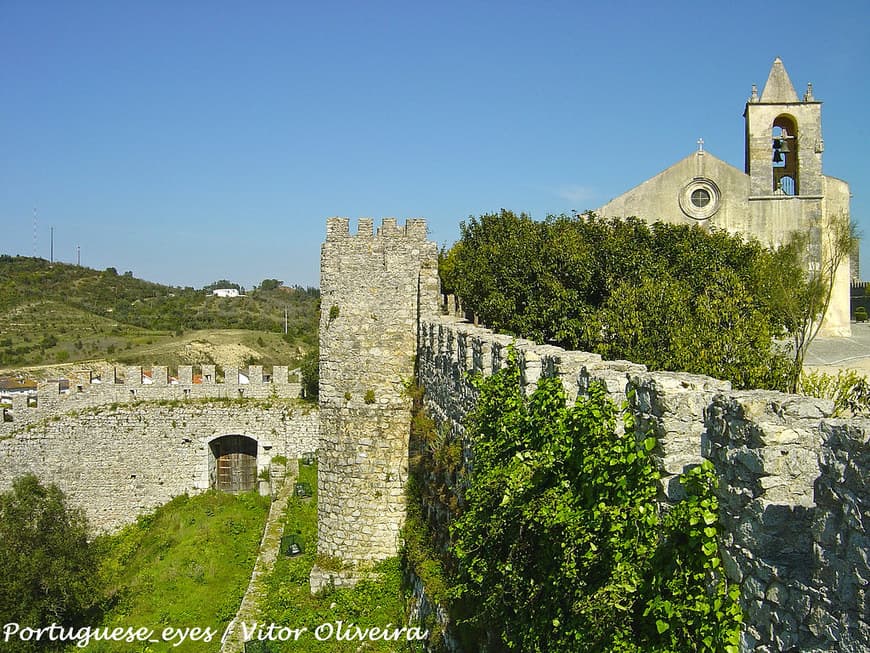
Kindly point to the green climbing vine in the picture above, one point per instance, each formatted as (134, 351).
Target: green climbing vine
(560, 545)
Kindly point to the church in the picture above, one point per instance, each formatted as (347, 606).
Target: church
(781, 189)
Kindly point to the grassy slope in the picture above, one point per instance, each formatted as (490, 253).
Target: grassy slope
(185, 565)
(188, 565)
(288, 601)
(54, 313)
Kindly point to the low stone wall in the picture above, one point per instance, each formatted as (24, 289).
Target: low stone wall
(765, 447)
(119, 461)
(794, 489)
(841, 536)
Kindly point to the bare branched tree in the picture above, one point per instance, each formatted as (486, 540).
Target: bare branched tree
(817, 254)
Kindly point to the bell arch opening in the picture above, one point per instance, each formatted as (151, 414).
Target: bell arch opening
(233, 463)
(785, 155)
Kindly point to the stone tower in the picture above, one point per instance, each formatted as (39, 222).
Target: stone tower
(784, 140)
(787, 190)
(374, 287)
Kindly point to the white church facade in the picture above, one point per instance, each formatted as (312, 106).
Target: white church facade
(780, 191)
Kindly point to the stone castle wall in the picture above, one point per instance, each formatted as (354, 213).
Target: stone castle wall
(795, 498)
(373, 287)
(794, 494)
(133, 383)
(117, 461)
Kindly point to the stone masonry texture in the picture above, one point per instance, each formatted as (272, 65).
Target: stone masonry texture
(117, 455)
(374, 286)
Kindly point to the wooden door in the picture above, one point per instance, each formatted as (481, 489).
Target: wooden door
(236, 463)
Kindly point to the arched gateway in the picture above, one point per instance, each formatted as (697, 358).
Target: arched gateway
(233, 463)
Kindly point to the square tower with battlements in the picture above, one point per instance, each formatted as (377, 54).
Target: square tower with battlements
(374, 287)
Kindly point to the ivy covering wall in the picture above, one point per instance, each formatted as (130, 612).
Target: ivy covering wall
(557, 542)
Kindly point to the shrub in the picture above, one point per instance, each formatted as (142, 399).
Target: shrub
(50, 568)
(849, 392)
(672, 297)
(560, 547)
(310, 370)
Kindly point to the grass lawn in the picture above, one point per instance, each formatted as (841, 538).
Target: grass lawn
(377, 602)
(186, 565)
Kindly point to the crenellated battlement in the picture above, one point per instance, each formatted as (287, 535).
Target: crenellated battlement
(136, 383)
(414, 229)
(374, 287)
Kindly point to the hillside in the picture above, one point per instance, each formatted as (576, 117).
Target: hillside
(54, 313)
(185, 565)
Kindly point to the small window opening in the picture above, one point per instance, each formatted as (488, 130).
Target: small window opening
(701, 197)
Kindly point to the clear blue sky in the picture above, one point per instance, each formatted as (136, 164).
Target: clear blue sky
(189, 141)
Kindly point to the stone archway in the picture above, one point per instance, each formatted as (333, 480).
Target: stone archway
(233, 463)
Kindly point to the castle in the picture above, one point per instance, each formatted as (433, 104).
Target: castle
(794, 490)
(126, 443)
(794, 493)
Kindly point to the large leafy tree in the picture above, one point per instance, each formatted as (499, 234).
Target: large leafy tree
(673, 297)
(50, 569)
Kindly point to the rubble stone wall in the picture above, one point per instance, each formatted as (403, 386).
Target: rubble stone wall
(374, 285)
(134, 383)
(117, 461)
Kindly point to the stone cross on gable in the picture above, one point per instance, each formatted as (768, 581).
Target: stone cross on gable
(701, 145)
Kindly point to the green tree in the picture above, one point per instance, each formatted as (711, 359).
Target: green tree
(50, 572)
(673, 297)
(521, 276)
(805, 273)
(270, 284)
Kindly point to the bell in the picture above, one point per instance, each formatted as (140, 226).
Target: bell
(784, 147)
(777, 144)
(777, 156)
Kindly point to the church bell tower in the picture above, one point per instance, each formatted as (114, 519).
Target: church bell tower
(788, 192)
(784, 139)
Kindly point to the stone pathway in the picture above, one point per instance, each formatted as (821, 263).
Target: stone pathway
(269, 545)
(831, 354)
